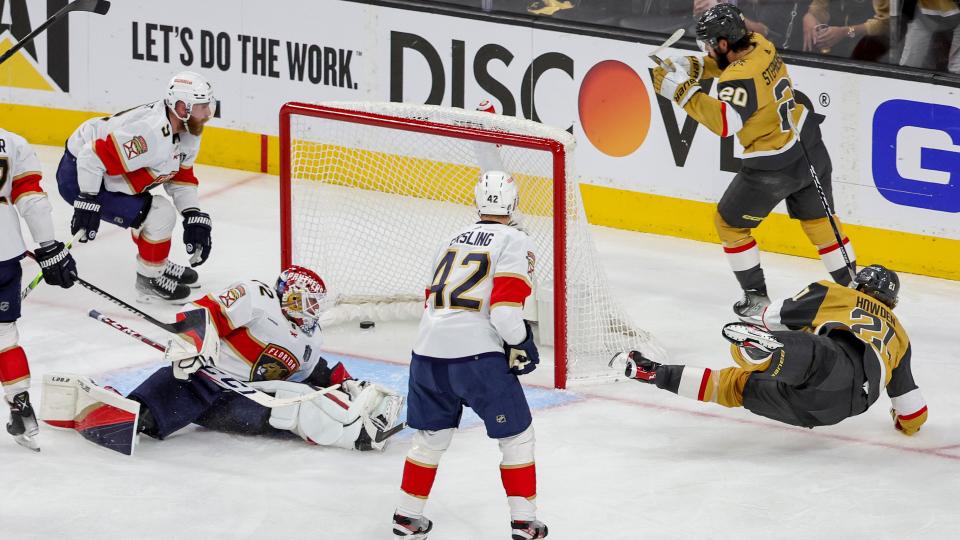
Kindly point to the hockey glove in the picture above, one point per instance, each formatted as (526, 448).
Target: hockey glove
(196, 235)
(86, 216)
(693, 65)
(57, 264)
(524, 356)
(677, 85)
(636, 366)
(910, 424)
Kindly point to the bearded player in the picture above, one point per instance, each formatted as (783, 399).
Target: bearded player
(780, 140)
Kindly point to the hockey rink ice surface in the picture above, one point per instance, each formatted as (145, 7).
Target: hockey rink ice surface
(614, 461)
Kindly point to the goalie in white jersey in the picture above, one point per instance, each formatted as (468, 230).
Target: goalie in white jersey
(472, 344)
(111, 164)
(20, 191)
(268, 335)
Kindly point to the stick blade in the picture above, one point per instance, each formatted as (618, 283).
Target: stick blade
(100, 7)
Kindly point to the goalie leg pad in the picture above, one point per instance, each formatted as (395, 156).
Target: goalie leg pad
(99, 415)
(173, 403)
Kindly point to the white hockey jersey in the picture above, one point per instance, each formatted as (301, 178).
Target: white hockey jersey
(20, 187)
(135, 150)
(474, 302)
(258, 342)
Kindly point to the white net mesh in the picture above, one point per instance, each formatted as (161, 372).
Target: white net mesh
(370, 205)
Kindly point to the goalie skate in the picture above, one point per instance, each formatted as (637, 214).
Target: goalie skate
(23, 422)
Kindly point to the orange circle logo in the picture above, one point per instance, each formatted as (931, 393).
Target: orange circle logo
(614, 108)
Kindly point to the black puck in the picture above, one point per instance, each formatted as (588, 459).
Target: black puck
(367, 324)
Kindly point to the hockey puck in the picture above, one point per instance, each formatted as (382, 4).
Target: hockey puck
(366, 325)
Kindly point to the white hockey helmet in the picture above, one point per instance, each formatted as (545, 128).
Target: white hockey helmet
(190, 88)
(496, 194)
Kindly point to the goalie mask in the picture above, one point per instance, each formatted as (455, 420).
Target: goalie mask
(496, 194)
(196, 93)
(879, 282)
(302, 297)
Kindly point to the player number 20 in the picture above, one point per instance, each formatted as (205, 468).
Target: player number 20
(456, 298)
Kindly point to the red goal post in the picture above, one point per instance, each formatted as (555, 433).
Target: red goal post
(351, 173)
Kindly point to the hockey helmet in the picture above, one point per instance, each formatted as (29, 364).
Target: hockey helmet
(192, 89)
(496, 194)
(303, 296)
(879, 282)
(722, 21)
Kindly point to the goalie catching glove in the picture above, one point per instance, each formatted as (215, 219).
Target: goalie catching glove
(351, 417)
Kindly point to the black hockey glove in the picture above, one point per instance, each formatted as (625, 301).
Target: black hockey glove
(524, 356)
(86, 216)
(57, 264)
(196, 235)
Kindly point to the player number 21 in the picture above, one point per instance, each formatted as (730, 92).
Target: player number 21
(480, 261)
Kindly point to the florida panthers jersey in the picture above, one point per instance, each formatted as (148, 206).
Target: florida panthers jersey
(135, 150)
(258, 342)
(484, 267)
(20, 187)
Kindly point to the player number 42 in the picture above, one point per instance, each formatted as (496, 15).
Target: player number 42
(454, 297)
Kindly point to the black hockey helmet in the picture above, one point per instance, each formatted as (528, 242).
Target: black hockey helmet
(879, 282)
(722, 21)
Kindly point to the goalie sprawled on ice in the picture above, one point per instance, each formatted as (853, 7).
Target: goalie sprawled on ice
(268, 336)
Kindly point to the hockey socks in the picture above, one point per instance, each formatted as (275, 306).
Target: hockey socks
(518, 473)
(14, 371)
(420, 469)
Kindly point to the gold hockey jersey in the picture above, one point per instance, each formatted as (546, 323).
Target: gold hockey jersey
(756, 102)
(825, 306)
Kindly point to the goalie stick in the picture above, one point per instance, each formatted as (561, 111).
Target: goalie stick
(100, 7)
(216, 375)
(655, 55)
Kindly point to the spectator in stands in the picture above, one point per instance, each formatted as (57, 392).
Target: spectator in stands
(932, 17)
(851, 28)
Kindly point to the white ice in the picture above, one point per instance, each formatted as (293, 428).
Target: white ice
(625, 461)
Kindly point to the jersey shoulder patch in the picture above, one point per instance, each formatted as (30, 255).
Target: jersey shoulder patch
(230, 296)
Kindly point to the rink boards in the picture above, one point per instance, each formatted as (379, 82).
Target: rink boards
(643, 164)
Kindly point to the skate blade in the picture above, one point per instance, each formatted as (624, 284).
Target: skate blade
(28, 442)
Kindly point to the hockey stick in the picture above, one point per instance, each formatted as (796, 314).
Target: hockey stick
(99, 7)
(217, 376)
(655, 55)
(39, 277)
(824, 202)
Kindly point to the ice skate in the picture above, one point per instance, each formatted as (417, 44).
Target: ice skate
(184, 274)
(161, 289)
(752, 305)
(411, 528)
(528, 530)
(23, 422)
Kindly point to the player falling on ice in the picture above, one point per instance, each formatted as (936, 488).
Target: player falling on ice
(268, 335)
(756, 102)
(111, 165)
(821, 356)
(20, 191)
(471, 345)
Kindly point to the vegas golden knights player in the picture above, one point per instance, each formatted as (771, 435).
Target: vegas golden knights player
(822, 356)
(756, 103)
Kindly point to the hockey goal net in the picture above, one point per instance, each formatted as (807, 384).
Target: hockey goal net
(370, 191)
